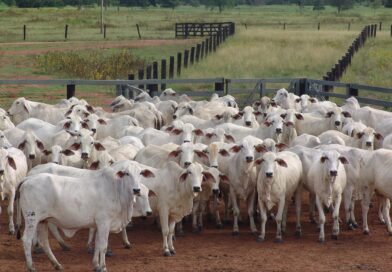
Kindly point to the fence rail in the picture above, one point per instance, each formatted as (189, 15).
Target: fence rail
(222, 86)
(184, 30)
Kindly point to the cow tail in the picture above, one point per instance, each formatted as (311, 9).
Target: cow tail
(18, 212)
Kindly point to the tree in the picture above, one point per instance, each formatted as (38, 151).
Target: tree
(318, 5)
(220, 4)
(342, 4)
(375, 4)
(169, 3)
(388, 3)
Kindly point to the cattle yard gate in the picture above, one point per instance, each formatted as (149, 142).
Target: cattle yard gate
(185, 30)
(245, 90)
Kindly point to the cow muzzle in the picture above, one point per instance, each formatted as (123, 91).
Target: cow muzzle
(186, 164)
(136, 191)
(368, 144)
(269, 174)
(1, 172)
(337, 123)
(333, 173)
(248, 123)
(278, 131)
(249, 159)
(94, 130)
(196, 189)
(84, 156)
(215, 192)
(31, 156)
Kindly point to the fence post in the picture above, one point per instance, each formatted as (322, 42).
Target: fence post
(375, 31)
(179, 57)
(186, 31)
(351, 91)
(104, 31)
(163, 74)
(192, 60)
(138, 31)
(198, 46)
(214, 43)
(24, 32)
(70, 90)
(202, 50)
(186, 58)
(207, 42)
(302, 86)
(154, 87)
(171, 67)
(318, 27)
(261, 89)
(140, 75)
(380, 26)
(349, 26)
(284, 26)
(220, 86)
(66, 32)
(391, 30)
(148, 76)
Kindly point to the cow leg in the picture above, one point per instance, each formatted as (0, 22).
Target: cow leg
(55, 231)
(226, 216)
(179, 229)
(195, 209)
(365, 209)
(236, 211)
(352, 214)
(164, 218)
(386, 206)
(10, 210)
(251, 212)
(101, 244)
(124, 235)
(298, 201)
(172, 225)
(90, 247)
(321, 219)
(380, 210)
(216, 212)
(202, 211)
(278, 218)
(284, 216)
(263, 215)
(28, 236)
(312, 207)
(347, 196)
(42, 233)
(335, 216)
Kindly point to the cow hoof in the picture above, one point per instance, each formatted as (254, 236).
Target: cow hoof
(235, 233)
(129, 226)
(90, 250)
(64, 247)
(334, 236)
(298, 233)
(31, 270)
(11, 232)
(58, 267)
(278, 240)
(260, 239)
(109, 252)
(38, 250)
(321, 240)
(366, 232)
(350, 226)
(219, 226)
(172, 252)
(167, 254)
(127, 245)
(355, 225)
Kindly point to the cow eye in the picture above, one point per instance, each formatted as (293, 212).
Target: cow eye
(92, 143)
(2, 136)
(4, 117)
(17, 102)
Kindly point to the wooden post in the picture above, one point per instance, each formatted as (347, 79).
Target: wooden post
(24, 32)
(198, 46)
(179, 57)
(186, 31)
(391, 30)
(380, 26)
(128, 93)
(104, 31)
(131, 76)
(284, 26)
(138, 31)
(375, 31)
(148, 76)
(318, 27)
(192, 60)
(66, 32)
(202, 50)
(154, 87)
(70, 90)
(210, 44)
(349, 26)
(140, 75)
(186, 58)
(163, 74)
(171, 67)
(214, 43)
(351, 91)
(220, 86)
(207, 42)
(302, 86)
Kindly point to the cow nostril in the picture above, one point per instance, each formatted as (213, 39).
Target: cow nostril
(136, 191)
(94, 130)
(215, 191)
(187, 164)
(333, 173)
(215, 166)
(56, 162)
(337, 123)
(249, 159)
(1, 172)
(187, 141)
(269, 174)
(247, 123)
(278, 130)
(31, 156)
(84, 155)
(174, 117)
(368, 143)
(196, 189)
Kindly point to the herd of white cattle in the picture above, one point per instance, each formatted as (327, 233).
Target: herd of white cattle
(71, 166)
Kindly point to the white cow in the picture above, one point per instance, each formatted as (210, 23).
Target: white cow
(285, 99)
(365, 139)
(5, 122)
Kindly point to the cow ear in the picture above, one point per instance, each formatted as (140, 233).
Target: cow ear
(120, 174)
(90, 108)
(201, 154)
(176, 131)
(67, 125)
(323, 159)
(299, 116)
(267, 124)
(378, 136)
(283, 115)
(260, 148)
(257, 113)
(190, 111)
(151, 193)
(346, 114)
(259, 161)
(207, 176)
(11, 162)
(25, 108)
(147, 173)
(224, 153)
(175, 153)
(183, 176)
(102, 122)
(75, 146)
(281, 162)
(343, 160)
(94, 166)
(84, 125)
(47, 152)
(99, 146)
(68, 112)
(235, 148)
(237, 116)
(329, 114)
(40, 145)
(281, 146)
(209, 135)
(223, 178)
(169, 128)
(68, 152)
(86, 114)
(218, 116)
(229, 138)
(22, 145)
(198, 132)
(360, 134)
(273, 104)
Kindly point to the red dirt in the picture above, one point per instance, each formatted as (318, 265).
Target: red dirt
(218, 250)
(87, 45)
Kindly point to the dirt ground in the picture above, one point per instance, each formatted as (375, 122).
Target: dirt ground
(218, 250)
